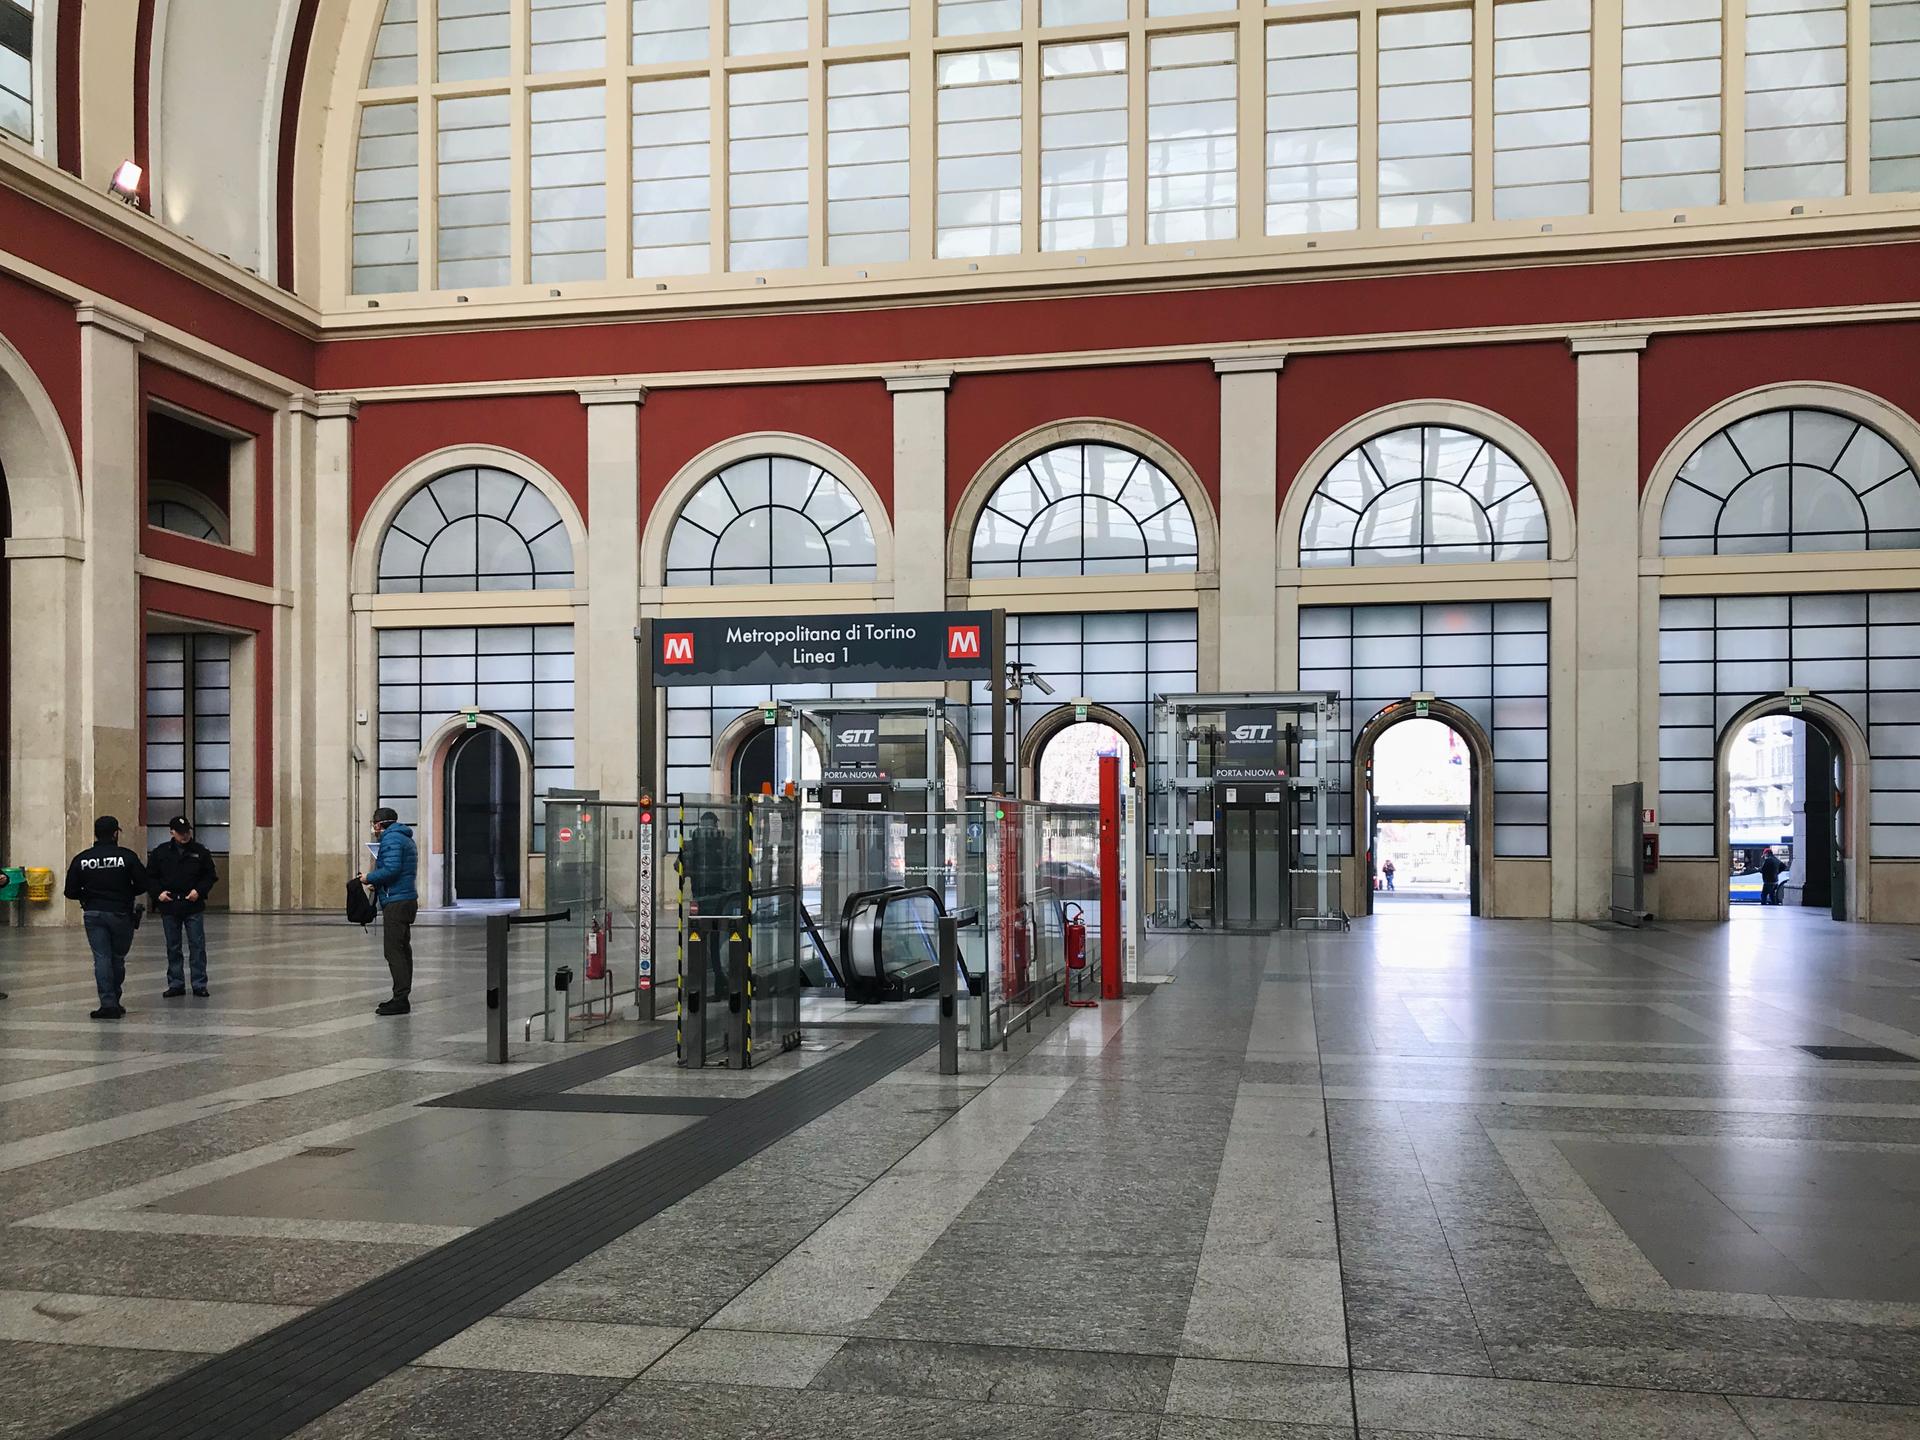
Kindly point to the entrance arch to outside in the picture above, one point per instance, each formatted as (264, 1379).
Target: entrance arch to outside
(1847, 741)
(1061, 721)
(1055, 767)
(1480, 801)
(431, 836)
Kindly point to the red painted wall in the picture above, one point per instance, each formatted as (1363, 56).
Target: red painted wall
(1305, 306)
(1532, 385)
(159, 596)
(1178, 404)
(1683, 375)
(389, 436)
(183, 391)
(104, 265)
(855, 417)
(41, 327)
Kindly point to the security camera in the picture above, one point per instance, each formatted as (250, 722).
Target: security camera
(1040, 684)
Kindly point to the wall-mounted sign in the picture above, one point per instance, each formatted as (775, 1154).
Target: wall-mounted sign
(853, 746)
(766, 650)
(1251, 749)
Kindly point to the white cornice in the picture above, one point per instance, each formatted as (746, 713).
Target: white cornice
(99, 317)
(192, 579)
(920, 380)
(1608, 342)
(1249, 364)
(25, 172)
(44, 547)
(635, 395)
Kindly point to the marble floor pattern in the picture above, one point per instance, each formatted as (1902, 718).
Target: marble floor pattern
(1433, 1177)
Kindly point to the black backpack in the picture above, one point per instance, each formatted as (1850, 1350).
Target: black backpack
(360, 907)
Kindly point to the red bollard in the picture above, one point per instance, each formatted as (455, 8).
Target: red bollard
(1112, 983)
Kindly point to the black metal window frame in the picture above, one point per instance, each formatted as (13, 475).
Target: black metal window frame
(428, 674)
(409, 575)
(1780, 471)
(1430, 552)
(1147, 561)
(1491, 691)
(200, 700)
(181, 517)
(1168, 643)
(783, 512)
(1705, 682)
(16, 34)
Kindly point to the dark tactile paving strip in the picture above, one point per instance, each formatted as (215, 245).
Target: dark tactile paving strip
(1879, 1053)
(631, 1104)
(543, 1083)
(269, 1388)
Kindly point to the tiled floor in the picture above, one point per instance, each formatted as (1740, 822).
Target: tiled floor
(1435, 1177)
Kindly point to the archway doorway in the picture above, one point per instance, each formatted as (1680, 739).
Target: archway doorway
(764, 756)
(1787, 817)
(1068, 766)
(1422, 813)
(483, 820)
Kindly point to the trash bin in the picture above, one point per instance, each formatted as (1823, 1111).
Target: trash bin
(39, 883)
(13, 883)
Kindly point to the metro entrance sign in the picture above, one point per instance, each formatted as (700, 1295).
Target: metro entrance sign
(767, 650)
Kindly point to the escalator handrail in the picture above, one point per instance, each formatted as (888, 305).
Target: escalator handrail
(820, 944)
(886, 894)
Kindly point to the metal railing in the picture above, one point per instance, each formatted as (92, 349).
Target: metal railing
(951, 969)
(497, 926)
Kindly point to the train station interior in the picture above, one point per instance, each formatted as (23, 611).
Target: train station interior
(1160, 719)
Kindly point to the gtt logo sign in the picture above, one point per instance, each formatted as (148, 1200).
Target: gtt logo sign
(963, 642)
(676, 648)
(1252, 734)
(854, 738)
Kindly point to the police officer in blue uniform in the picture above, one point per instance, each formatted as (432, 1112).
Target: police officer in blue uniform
(108, 881)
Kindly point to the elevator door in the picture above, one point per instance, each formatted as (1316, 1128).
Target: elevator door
(1253, 867)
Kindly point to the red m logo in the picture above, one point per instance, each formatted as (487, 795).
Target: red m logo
(963, 642)
(676, 649)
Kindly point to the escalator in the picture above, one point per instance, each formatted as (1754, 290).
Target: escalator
(890, 944)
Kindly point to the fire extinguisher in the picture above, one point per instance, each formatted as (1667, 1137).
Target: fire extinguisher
(1022, 936)
(597, 950)
(1077, 954)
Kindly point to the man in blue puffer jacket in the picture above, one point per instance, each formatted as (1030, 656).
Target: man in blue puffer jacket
(392, 879)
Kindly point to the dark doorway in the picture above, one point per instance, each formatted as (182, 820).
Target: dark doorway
(762, 757)
(755, 758)
(483, 821)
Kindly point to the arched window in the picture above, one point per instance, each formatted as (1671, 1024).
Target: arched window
(476, 529)
(771, 520)
(1425, 495)
(1792, 480)
(183, 519)
(1085, 509)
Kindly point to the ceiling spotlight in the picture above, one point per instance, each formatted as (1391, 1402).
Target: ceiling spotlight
(126, 182)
